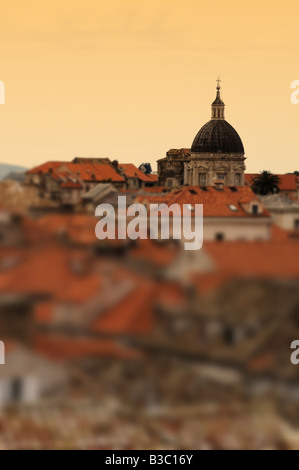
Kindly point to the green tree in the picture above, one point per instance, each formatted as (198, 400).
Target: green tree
(266, 183)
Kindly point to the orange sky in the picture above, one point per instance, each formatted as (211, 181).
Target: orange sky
(130, 79)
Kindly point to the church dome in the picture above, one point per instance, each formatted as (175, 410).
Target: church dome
(217, 136)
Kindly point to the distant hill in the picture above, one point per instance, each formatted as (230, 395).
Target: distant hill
(6, 169)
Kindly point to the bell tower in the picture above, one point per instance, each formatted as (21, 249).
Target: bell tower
(218, 105)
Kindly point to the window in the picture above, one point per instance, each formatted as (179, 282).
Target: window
(219, 237)
(232, 207)
(169, 182)
(202, 179)
(237, 179)
(255, 209)
(16, 389)
(228, 335)
(221, 176)
(296, 224)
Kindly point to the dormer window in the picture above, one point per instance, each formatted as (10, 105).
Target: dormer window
(219, 237)
(255, 209)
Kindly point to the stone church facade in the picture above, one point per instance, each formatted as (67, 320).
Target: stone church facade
(216, 155)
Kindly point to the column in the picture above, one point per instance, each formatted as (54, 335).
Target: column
(195, 177)
(185, 173)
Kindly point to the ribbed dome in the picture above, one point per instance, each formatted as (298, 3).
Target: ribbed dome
(217, 136)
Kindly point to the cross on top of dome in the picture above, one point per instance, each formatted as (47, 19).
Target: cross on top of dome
(218, 105)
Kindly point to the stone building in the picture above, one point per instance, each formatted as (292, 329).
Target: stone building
(217, 154)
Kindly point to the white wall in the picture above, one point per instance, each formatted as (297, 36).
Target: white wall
(237, 229)
(29, 392)
(38, 376)
(286, 220)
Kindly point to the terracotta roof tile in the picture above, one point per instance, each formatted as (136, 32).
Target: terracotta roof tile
(216, 202)
(153, 176)
(278, 233)
(132, 315)
(271, 259)
(96, 172)
(287, 182)
(156, 189)
(80, 228)
(131, 171)
(171, 294)
(46, 270)
(43, 313)
(85, 171)
(46, 167)
(153, 252)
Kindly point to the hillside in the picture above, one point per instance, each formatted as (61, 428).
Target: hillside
(6, 169)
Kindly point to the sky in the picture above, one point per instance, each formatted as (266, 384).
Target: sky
(128, 79)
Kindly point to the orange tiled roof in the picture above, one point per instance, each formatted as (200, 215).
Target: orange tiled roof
(43, 312)
(153, 176)
(131, 171)
(85, 171)
(78, 227)
(278, 233)
(156, 253)
(96, 172)
(46, 270)
(272, 258)
(66, 179)
(46, 167)
(80, 289)
(171, 294)
(216, 203)
(287, 182)
(208, 282)
(148, 199)
(132, 315)
(156, 189)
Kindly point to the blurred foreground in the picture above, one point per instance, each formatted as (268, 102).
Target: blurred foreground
(142, 345)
